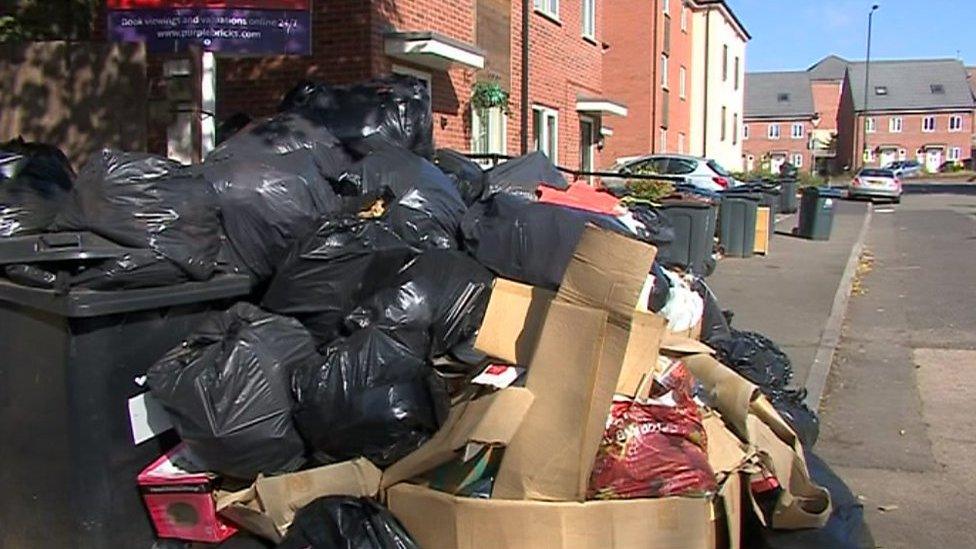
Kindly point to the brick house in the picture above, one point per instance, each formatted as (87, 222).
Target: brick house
(780, 118)
(916, 109)
(827, 85)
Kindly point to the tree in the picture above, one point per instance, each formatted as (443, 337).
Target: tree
(22, 20)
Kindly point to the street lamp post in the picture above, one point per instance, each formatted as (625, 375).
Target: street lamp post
(867, 72)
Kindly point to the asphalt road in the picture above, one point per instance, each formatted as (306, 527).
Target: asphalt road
(899, 415)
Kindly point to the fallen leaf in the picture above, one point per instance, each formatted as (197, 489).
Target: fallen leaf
(886, 508)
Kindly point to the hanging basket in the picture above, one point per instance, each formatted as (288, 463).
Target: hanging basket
(489, 95)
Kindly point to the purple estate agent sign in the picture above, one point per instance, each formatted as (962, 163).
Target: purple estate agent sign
(229, 31)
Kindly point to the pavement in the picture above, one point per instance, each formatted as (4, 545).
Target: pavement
(788, 294)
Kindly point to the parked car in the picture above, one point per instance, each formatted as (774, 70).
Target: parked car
(875, 183)
(702, 173)
(904, 168)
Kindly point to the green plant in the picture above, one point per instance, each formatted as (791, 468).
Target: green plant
(649, 189)
(489, 95)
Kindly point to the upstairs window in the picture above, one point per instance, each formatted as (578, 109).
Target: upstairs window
(869, 125)
(937, 89)
(725, 63)
(783, 98)
(895, 124)
(665, 6)
(955, 123)
(548, 7)
(928, 124)
(589, 18)
(684, 18)
(773, 131)
(796, 131)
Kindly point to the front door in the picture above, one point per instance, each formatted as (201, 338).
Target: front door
(933, 159)
(776, 162)
(888, 156)
(587, 146)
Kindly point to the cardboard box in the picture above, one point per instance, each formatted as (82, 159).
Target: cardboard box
(667, 523)
(267, 508)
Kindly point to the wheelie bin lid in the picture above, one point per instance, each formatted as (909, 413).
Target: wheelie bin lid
(685, 203)
(828, 192)
(82, 303)
(61, 246)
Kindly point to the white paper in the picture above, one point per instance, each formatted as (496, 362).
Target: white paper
(147, 418)
(498, 376)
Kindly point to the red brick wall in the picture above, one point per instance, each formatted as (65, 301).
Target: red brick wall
(758, 145)
(679, 109)
(912, 138)
(629, 80)
(826, 101)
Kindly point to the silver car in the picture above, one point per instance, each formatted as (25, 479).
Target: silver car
(904, 168)
(699, 172)
(874, 183)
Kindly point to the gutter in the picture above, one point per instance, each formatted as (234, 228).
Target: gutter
(708, 34)
(524, 130)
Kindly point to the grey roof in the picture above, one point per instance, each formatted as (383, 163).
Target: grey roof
(778, 95)
(909, 85)
(831, 67)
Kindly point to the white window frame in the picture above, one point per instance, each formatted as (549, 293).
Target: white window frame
(496, 135)
(870, 125)
(682, 86)
(681, 143)
(543, 136)
(664, 141)
(772, 132)
(926, 127)
(735, 128)
(666, 6)
(797, 160)
(896, 124)
(589, 19)
(794, 134)
(955, 123)
(664, 71)
(549, 8)
(684, 18)
(409, 71)
(954, 154)
(745, 131)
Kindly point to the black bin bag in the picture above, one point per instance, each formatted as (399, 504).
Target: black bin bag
(328, 273)
(845, 529)
(370, 398)
(523, 175)
(227, 389)
(394, 109)
(427, 209)
(434, 304)
(467, 176)
(530, 242)
(342, 522)
(35, 181)
(149, 202)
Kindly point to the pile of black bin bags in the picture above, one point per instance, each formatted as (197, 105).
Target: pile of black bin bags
(372, 257)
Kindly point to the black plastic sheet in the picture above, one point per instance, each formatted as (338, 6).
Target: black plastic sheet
(334, 269)
(804, 421)
(394, 109)
(132, 271)
(148, 202)
(227, 389)
(530, 242)
(714, 323)
(661, 291)
(427, 210)
(657, 229)
(371, 397)
(523, 175)
(339, 522)
(755, 357)
(467, 176)
(35, 181)
(436, 303)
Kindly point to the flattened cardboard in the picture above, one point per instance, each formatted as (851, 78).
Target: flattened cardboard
(493, 419)
(467, 523)
(268, 507)
(647, 331)
(726, 453)
(513, 321)
(676, 344)
(545, 459)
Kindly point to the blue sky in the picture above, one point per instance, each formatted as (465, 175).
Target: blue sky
(794, 34)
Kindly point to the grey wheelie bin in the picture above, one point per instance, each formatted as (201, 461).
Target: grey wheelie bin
(70, 362)
(816, 213)
(787, 196)
(737, 223)
(694, 233)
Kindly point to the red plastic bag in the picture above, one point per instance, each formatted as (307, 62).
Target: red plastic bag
(654, 448)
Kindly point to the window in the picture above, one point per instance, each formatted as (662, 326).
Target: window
(797, 160)
(735, 128)
(681, 166)
(488, 131)
(937, 89)
(682, 77)
(725, 63)
(666, 47)
(723, 125)
(665, 109)
(587, 144)
(928, 124)
(955, 153)
(548, 7)
(955, 123)
(681, 143)
(869, 125)
(589, 18)
(783, 98)
(869, 155)
(773, 131)
(881, 90)
(545, 127)
(664, 71)
(895, 124)
(665, 6)
(684, 18)
(736, 75)
(745, 132)
(796, 131)
(664, 141)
